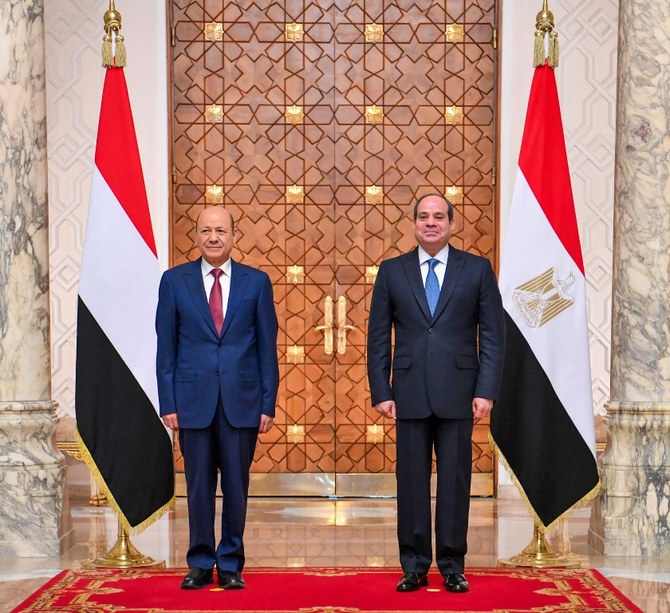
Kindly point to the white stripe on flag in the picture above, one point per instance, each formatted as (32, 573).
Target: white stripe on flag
(119, 284)
(561, 345)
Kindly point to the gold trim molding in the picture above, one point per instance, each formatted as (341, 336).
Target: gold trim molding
(294, 32)
(295, 194)
(455, 33)
(71, 448)
(295, 274)
(295, 354)
(294, 114)
(214, 113)
(453, 115)
(214, 194)
(295, 434)
(373, 194)
(213, 31)
(374, 433)
(374, 114)
(454, 193)
(374, 33)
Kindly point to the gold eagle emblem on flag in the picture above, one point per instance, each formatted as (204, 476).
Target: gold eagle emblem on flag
(543, 297)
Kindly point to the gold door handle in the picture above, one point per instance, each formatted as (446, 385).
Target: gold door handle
(327, 327)
(342, 326)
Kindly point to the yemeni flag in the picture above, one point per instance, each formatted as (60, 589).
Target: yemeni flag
(121, 437)
(543, 424)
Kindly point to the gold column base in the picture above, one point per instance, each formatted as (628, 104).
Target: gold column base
(98, 500)
(539, 554)
(123, 555)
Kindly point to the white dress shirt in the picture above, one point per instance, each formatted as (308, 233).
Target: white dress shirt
(224, 279)
(440, 268)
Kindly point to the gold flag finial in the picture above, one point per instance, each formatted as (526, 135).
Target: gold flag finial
(544, 26)
(113, 57)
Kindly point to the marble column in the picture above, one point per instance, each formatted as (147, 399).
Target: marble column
(31, 468)
(632, 513)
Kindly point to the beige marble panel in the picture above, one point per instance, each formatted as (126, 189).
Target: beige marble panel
(74, 30)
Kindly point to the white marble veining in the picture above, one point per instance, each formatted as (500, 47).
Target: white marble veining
(32, 472)
(632, 513)
(24, 298)
(641, 288)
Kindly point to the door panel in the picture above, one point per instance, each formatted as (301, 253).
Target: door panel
(317, 124)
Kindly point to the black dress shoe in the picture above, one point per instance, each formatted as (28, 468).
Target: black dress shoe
(411, 582)
(456, 583)
(196, 579)
(230, 581)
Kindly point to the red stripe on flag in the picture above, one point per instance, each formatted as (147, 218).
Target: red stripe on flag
(117, 141)
(544, 161)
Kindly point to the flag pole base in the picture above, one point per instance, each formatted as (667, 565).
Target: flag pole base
(123, 555)
(539, 554)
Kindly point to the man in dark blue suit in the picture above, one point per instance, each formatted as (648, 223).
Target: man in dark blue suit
(217, 383)
(443, 371)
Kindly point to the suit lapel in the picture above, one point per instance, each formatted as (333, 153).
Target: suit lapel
(239, 279)
(455, 263)
(196, 287)
(413, 272)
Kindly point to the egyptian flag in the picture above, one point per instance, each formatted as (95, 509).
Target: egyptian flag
(121, 437)
(542, 423)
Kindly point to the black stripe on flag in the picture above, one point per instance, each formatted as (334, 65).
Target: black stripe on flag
(536, 436)
(119, 426)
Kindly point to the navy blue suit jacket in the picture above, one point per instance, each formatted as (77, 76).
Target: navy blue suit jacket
(440, 362)
(195, 366)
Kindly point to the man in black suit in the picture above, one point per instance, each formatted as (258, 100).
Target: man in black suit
(444, 370)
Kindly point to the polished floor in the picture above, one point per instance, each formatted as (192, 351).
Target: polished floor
(336, 532)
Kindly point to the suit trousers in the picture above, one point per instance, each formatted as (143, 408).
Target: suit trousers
(207, 451)
(452, 441)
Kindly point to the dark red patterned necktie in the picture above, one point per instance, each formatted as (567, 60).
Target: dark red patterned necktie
(216, 300)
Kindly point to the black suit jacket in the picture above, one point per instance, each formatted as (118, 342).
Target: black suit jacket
(439, 363)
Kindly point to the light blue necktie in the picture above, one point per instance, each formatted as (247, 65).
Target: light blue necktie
(432, 286)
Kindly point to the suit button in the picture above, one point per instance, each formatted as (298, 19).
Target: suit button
(216, 373)
(430, 330)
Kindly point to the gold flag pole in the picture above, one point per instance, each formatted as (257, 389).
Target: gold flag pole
(113, 43)
(538, 553)
(123, 554)
(544, 29)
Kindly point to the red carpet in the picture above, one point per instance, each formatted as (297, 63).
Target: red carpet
(328, 590)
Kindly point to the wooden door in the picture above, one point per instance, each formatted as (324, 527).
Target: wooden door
(317, 124)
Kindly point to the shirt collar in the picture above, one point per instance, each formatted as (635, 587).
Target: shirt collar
(441, 255)
(206, 267)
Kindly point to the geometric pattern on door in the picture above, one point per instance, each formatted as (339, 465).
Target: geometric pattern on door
(317, 124)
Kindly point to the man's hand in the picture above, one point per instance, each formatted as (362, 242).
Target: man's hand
(266, 424)
(386, 408)
(481, 407)
(171, 421)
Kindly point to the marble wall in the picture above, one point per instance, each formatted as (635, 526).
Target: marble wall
(632, 513)
(32, 473)
(24, 265)
(32, 470)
